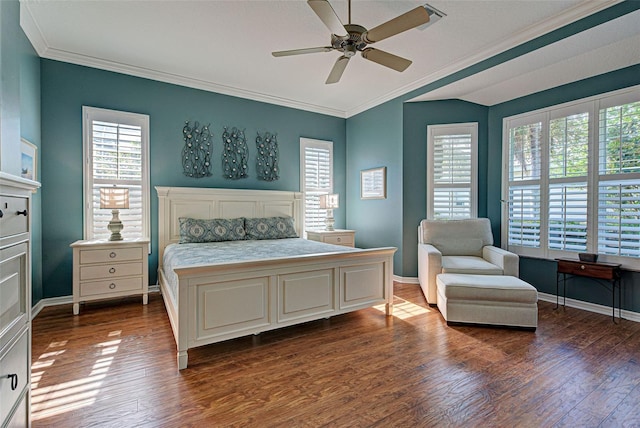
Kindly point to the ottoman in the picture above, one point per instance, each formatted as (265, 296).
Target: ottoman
(487, 299)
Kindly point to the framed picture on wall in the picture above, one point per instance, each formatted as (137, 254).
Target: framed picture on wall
(28, 160)
(373, 183)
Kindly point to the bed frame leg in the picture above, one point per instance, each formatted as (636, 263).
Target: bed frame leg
(182, 360)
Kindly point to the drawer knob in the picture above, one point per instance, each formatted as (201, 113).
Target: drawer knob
(112, 270)
(14, 381)
(112, 254)
(582, 267)
(112, 286)
(339, 240)
(1, 214)
(24, 213)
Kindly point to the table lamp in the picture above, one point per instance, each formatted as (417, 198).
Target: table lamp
(114, 199)
(329, 202)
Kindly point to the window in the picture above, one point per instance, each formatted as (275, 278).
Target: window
(452, 171)
(116, 153)
(573, 179)
(316, 178)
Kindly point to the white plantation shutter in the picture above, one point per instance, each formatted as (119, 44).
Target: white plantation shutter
(619, 180)
(568, 168)
(523, 197)
(316, 179)
(451, 171)
(116, 147)
(574, 179)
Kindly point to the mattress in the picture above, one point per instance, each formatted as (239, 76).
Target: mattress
(185, 255)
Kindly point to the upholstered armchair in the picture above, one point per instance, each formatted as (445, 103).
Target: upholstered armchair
(459, 246)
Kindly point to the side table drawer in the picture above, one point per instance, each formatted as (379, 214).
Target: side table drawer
(110, 271)
(107, 255)
(14, 363)
(345, 239)
(110, 286)
(12, 222)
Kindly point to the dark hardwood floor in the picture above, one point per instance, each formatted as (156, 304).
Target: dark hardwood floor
(114, 365)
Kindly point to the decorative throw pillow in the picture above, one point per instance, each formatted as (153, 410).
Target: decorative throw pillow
(194, 230)
(270, 228)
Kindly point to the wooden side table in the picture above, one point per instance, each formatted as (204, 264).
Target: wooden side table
(338, 237)
(597, 271)
(105, 269)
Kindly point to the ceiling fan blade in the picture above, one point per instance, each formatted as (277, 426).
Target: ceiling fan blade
(302, 51)
(328, 16)
(397, 25)
(337, 70)
(385, 58)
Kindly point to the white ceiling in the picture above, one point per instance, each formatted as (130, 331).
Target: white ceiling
(225, 47)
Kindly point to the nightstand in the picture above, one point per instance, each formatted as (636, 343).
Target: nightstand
(105, 269)
(337, 236)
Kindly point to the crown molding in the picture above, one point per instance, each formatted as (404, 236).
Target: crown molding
(31, 29)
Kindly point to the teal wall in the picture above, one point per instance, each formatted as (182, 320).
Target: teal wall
(10, 87)
(375, 140)
(417, 116)
(66, 88)
(30, 129)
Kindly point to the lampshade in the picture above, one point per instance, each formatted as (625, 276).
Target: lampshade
(114, 198)
(329, 201)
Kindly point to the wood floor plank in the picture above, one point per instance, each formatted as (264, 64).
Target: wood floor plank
(115, 365)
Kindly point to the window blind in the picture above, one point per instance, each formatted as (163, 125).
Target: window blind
(451, 170)
(317, 179)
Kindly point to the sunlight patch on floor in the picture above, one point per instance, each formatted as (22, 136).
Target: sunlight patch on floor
(404, 309)
(72, 395)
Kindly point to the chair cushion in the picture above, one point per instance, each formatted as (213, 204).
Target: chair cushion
(469, 265)
(496, 288)
(451, 237)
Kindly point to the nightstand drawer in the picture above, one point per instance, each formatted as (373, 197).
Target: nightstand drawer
(12, 223)
(346, 239)
(15, 365)
(110, 255)
(106, 287)
(114, 270)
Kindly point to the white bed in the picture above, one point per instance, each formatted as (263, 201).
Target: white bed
(220, 301)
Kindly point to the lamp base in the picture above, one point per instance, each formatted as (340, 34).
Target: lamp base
(115, 226)
(329, 222)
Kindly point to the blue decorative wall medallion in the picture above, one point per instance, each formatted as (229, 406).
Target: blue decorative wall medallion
(235, 154)
(196, 153)
(267, 157)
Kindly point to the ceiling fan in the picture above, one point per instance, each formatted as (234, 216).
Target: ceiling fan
(351, 38)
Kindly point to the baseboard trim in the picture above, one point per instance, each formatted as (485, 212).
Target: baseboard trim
(65, 300)
(591, 307)
(405, 279)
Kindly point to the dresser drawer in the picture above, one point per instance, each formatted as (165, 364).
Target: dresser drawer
(12, 223)
(13, 283)
(107, 255)
(107, 287)
(14, 362)
(112, 270)
(20, 418)
(345, 239)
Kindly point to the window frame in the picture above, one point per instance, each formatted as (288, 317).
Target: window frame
(320, 144)
(452, 129)
(89, 115)
(591, 105)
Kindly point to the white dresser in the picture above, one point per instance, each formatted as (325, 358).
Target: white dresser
(15, 300)
(338, 236)
(105, 269)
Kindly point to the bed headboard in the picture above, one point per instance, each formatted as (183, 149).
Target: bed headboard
(207, 203)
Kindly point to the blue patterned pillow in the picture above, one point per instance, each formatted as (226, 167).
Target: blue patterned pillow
(194, 230)
(270, 228)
